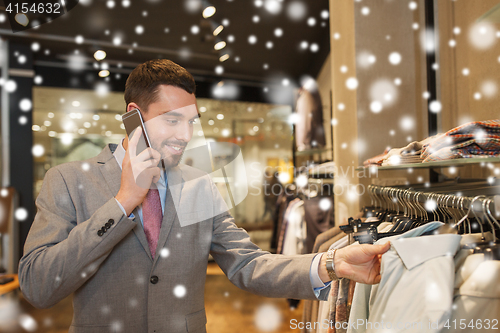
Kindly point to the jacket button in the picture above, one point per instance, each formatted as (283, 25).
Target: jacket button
(111, 221)
(154, 279)
(99, 233)
(107, 225)
(103, 229)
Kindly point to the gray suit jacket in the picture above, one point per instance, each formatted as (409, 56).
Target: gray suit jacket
(117, 285)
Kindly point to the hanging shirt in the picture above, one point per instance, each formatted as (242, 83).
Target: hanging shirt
(295, 233)
(477, 296)
(416, 289)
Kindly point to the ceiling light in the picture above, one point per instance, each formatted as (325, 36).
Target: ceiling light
(104, 73)
(22, 19)
(224, 57)
(208, 11)
(99, 55)
(218, 30)
(220, 45)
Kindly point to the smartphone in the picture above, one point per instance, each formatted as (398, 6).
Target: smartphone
(132, 120)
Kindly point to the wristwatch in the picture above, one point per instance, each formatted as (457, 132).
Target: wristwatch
(330, 267)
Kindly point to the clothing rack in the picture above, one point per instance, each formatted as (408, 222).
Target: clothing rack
(478, 199)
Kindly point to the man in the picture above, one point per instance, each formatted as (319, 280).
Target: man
(117, 243)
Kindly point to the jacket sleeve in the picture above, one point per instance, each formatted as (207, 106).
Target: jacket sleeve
(255, 270)
(59, 254)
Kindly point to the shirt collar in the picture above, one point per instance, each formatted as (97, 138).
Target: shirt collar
(119, 155)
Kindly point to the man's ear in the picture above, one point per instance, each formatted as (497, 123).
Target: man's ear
(132, 106)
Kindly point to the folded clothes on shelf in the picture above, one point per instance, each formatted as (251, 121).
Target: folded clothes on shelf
(488, 147)
(376, 160)
(405, 155)
(474, 139)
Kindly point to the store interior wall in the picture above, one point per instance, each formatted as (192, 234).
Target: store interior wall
(389, 88)
(345, 128)
(470, 71)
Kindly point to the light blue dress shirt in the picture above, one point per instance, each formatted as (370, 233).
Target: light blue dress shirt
(119, 155)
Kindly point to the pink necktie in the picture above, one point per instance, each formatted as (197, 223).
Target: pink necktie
(152, 217)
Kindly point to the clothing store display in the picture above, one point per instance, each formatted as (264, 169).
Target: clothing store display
(284, 223)
(406, 155)
(317, 220)
(350, 296)
(325, 236)
(310, 216)
(488, 147)
(295, 230)
(376, 160)
(279, 212)
(478, 296)
(309, 131)
(341, 315)
(332, 302)
(310, 312)
(396, 156)
(320, 314)
(478, 138)
(323, 312)
(471, 140)
(336, 242)
(402, 269)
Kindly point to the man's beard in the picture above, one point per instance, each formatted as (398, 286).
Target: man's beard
(174, 160)
(170, 160)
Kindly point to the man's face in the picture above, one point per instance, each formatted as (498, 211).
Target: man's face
(169, 122)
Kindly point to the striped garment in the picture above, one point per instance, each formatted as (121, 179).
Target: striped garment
(475, 139)
(472, 148)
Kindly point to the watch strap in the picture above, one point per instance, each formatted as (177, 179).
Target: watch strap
(330, 266)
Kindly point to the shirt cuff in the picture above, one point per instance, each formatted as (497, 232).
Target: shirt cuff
(316, 282)
(131, 216)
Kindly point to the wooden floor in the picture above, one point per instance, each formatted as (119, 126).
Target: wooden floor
(228, 308)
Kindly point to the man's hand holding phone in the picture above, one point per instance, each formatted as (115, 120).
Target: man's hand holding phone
(138, 173)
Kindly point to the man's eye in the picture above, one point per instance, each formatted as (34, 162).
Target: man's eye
(194, 121)
(172, 121)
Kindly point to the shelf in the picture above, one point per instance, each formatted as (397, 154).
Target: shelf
(320, 181)
(312, 151)
(437, 164)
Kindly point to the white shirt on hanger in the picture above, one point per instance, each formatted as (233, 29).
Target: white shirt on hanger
(416, 289)
(477, 297)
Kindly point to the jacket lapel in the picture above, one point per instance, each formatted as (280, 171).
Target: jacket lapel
(110, 169)
(172, 199)
(112, 174)
(139, 233)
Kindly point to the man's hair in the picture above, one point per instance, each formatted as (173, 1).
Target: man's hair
(142, 84)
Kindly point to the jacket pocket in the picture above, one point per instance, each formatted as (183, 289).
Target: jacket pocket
(196, 322)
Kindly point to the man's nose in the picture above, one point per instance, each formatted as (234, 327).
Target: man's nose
(184, 132)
